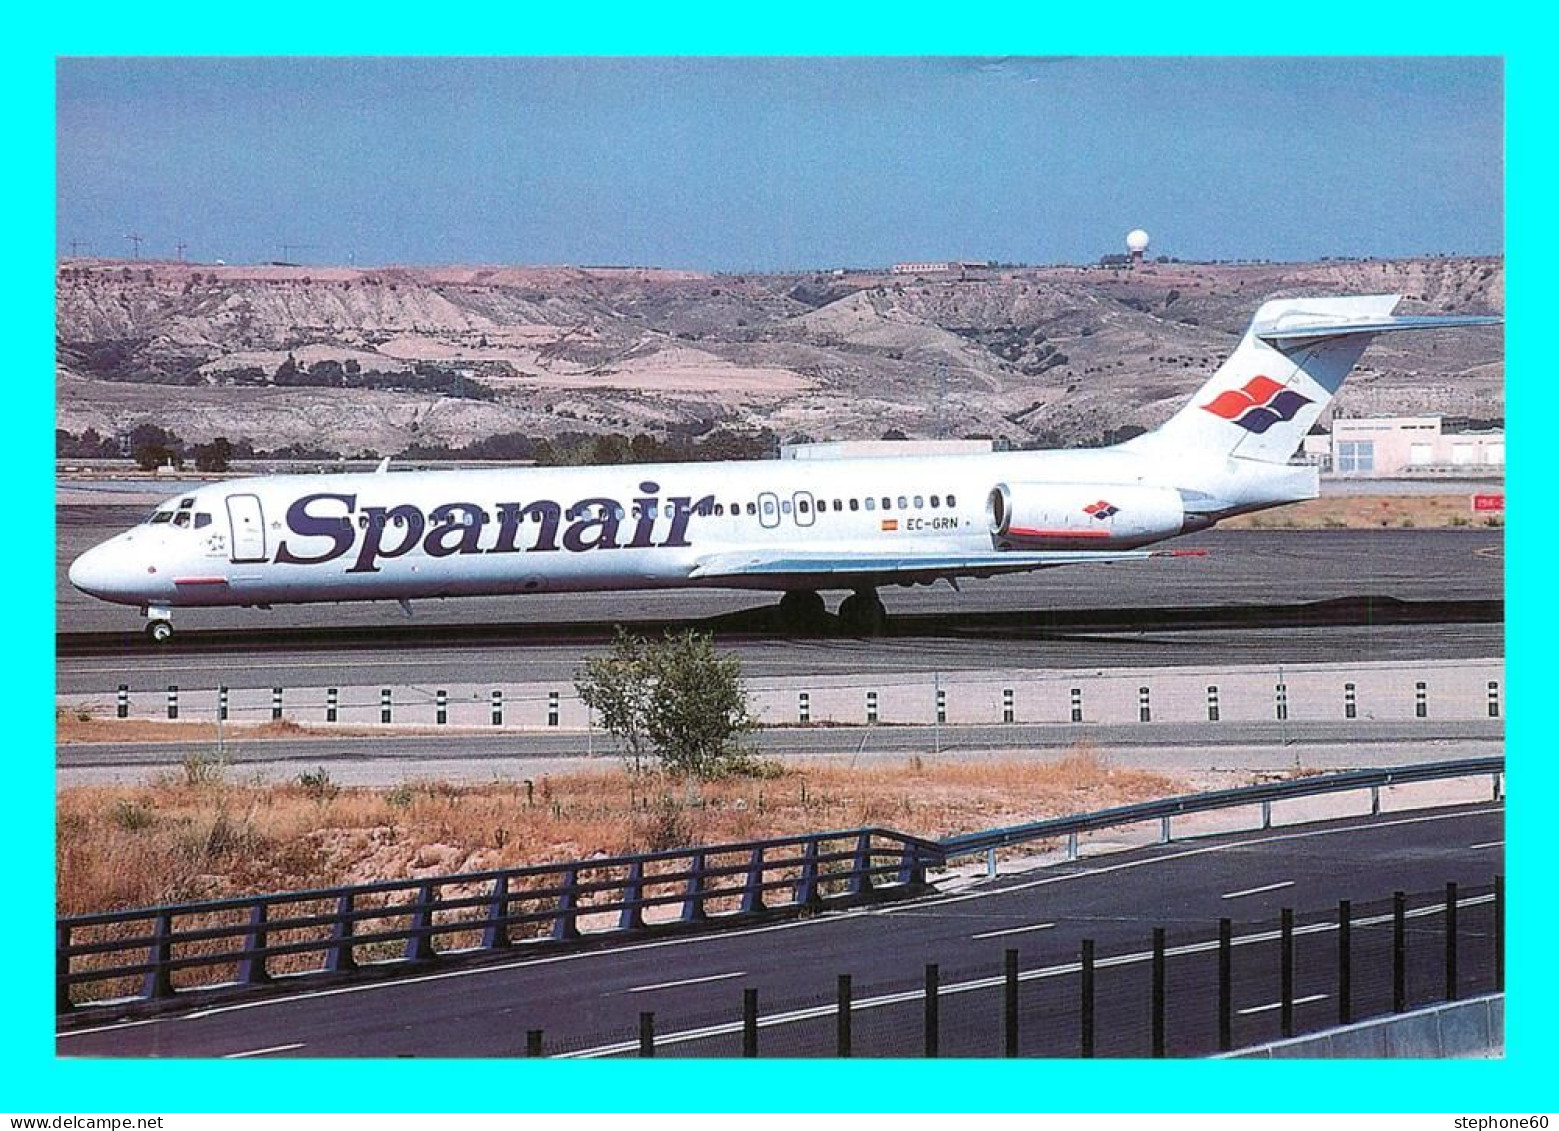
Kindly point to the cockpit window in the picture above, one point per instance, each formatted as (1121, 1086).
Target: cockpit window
(202, 520)
(161, 517)
(181, 519)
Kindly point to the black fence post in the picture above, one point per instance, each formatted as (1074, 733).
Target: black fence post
(693, 897)
(251, 968)
(495, 932)
(159, 979)
(1225, 985)
(533, 1042)
(647, 1034)
(749, 1023)
(1499, 934)
(62, 1002)
(1344, 962)
(419, 937)
(1087, 998)
(933, 1021)
(1286, 974)
(1450, 941)
(1010, 961)
(842, 1034)
(340, 957)
(566, 925)
(1399, 952)
(1158, 991)
(632, 916)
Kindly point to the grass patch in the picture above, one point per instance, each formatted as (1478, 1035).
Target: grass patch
(177, 840)
(1365, 512)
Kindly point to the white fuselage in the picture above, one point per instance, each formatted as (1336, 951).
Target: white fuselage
(419, 534)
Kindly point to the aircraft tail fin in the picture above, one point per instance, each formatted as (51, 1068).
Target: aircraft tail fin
(1296, 354)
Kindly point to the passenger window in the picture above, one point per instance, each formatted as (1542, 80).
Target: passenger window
(855, 504)
(785, 506)
(920, 502)
(719, 510)
(838, 505)
(936, 501)
(887, 503)
(752, 508)
(768, 506)
(903, 503)
(871, 504)
(952, 502)
(802, 506)
(202, 521)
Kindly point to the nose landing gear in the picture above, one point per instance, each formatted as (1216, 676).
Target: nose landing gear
(159, 624)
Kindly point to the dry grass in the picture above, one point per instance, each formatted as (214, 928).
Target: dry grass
(1371, 512)
(79, 726)
(195, 835)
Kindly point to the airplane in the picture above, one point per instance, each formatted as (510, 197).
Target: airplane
(797, 526)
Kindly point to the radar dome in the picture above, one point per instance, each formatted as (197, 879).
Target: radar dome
(1137, 241)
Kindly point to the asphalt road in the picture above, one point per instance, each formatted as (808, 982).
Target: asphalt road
(587, 1003)
(1319, 745)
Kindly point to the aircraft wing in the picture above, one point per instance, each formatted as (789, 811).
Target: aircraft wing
(821, 565)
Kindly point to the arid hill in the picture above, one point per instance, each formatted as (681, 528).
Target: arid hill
(356, 360)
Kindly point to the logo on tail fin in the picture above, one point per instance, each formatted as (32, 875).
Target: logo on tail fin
(1258, 406)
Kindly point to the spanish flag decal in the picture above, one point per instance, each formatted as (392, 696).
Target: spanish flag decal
(890, 524)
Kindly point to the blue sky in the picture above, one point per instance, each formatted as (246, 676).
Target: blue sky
(773, 164)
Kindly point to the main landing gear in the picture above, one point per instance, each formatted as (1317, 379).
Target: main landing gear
(862, 614)
(802, 613)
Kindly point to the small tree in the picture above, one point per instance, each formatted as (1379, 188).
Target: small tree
(214, 456)
(675, 699)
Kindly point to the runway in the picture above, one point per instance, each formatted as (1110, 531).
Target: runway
(588, 1002)
(1242, 567)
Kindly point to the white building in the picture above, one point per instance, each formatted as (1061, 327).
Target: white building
(1402, 447)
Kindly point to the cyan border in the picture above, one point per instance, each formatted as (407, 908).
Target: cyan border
(35, 1080)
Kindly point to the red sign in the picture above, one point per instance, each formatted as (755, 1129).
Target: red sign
(1488, 502)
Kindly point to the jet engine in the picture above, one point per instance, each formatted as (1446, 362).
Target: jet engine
(1080, 516)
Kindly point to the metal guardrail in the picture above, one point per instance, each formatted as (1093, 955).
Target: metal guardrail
(235, 942)
(393, 924)
(1263, 795)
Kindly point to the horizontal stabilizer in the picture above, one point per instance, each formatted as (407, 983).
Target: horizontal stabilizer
(1296, 329)
(818, 565)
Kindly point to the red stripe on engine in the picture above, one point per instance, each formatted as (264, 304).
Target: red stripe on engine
(1020, 533)
(200, 581)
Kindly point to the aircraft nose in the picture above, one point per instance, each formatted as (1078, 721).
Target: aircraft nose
(98, 572)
